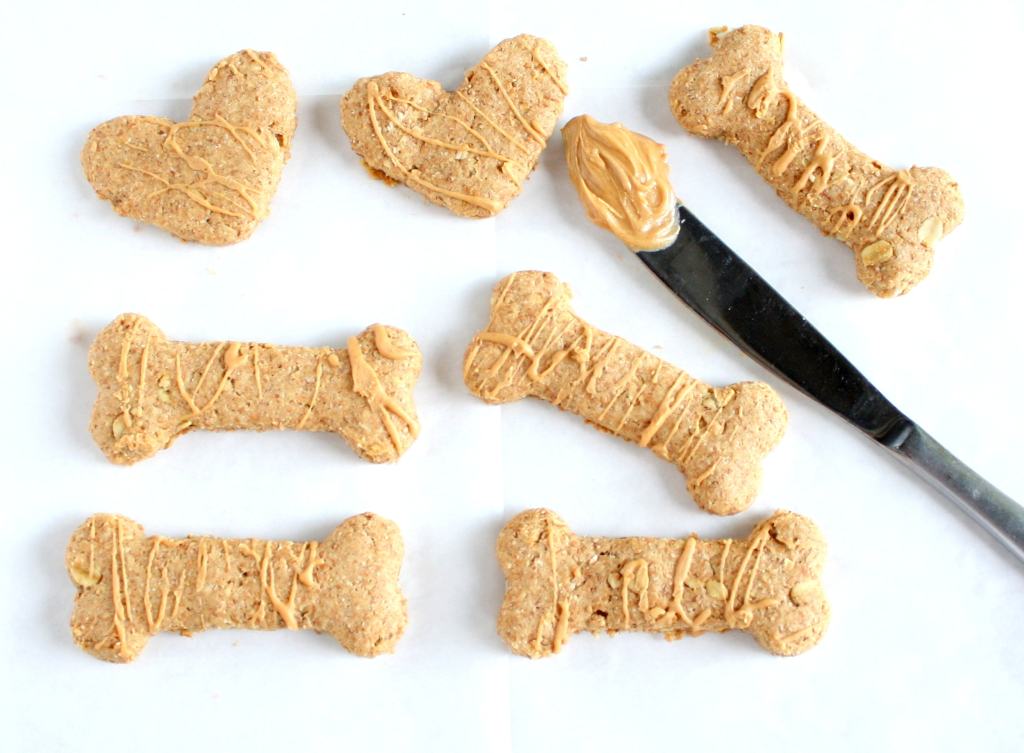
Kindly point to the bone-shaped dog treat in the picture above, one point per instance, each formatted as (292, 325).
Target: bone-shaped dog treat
(153, 390)
(891, 219)
(536, 346)
(131, 587)
(558, 583)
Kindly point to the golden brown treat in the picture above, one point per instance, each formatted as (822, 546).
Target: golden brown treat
(622, 179)
(558, 583)
(891, 219)
(535, 345)
(209, 178)
(152, 390)
(469, 150)
(131, 587)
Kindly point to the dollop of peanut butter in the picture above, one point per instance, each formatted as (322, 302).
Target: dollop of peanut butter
(622, 180)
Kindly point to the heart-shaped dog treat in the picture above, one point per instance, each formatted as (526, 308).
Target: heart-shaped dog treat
(469, 150)
(209, 178)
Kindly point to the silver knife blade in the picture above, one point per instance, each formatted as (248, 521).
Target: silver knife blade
(727, 293)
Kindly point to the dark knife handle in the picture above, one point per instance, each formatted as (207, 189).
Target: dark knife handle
(989, 507)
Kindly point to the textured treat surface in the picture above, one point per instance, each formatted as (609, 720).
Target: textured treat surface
(131, 586)
(558, 584)
(535, 345)
(152, 390)
(890, 219)
(469, 150)
(210, 178)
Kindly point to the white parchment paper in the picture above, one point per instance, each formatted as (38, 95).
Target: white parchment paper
(923, 652)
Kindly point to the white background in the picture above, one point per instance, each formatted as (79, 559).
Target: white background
(924, 651)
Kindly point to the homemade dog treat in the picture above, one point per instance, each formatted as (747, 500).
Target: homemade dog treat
(469, 150)
(153, 390)
(558, 583)
(891, 219)
(622, 180)
(536, 346)
(209, 178)
(131, 587)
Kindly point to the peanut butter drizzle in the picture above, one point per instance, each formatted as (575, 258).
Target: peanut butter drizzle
(130, 145)
(725, 101)
(419, 108)
(257, 376)
(467, 363)
(745, 611)
(233, 358)
(180, 382)
(635, 577)
(386, 347)
(706, 474)
(535, 52)
(847, 218)
(366, 382)
(233, 355)
(672, 400)
(316, 392)
(898, 188)
(561, 627)
(143, 359)
(554, 580)
(178, 593)
(687, 452)
(622, 180)
(726, 546)
(307, 576)
(517, 114)
(165, 589)
(124, 571)
(796, 635)
(760, 95)
(620, 387)
(120, 612)
(192, 563)
(92, 549)
(254, 58)
(679, 574)
(153, 624)
(788, 133)
(820, 161)
(126, 344)
(206, 370)
(256, 618)
(557, 615)
(636, 399)
(373, 102)
(285, 609)
(201, 565)
(463, 147)
(898, 184)
(510, 138)
(124, 387)
(518, 351)
(200, 191)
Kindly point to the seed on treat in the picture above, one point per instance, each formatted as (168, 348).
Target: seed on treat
(877, 253)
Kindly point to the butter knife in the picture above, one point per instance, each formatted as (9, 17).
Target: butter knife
(728, 294)
(622, 178)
